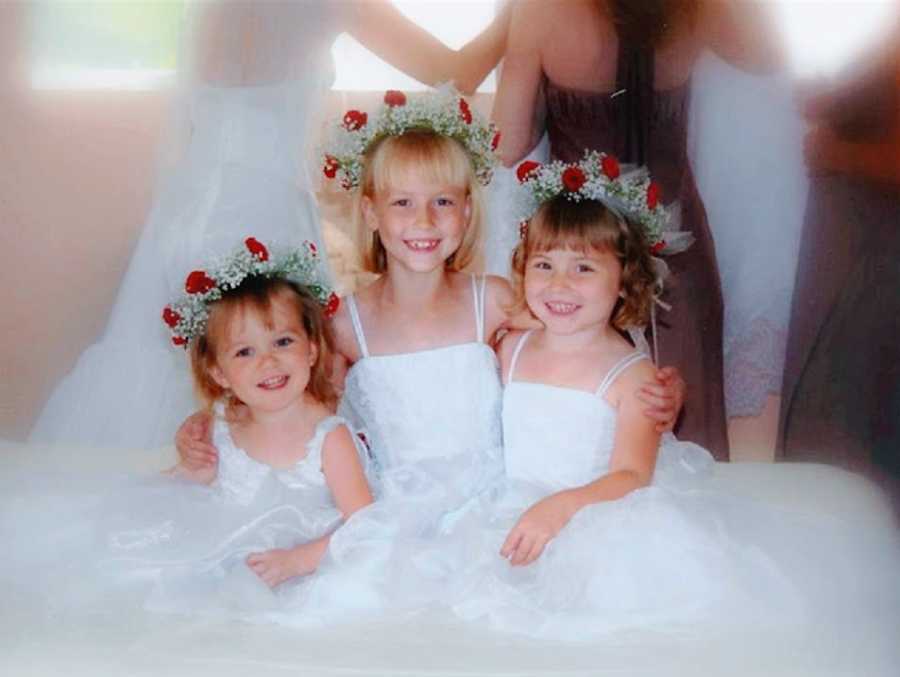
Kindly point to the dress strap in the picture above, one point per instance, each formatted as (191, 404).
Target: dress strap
(478, 285)
(515, 355)
(357, 325)
(617, 369)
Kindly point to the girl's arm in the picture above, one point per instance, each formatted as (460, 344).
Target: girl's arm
(384, 30)
(743, 33)
(193, 441)
(347, 482)
(631, 467)
(516, 103)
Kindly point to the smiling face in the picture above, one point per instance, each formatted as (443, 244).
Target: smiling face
(421, 223)
(571, 291)
(265, 361)
(419, 204)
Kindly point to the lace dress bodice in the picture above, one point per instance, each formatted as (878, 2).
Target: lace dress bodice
(241, 478)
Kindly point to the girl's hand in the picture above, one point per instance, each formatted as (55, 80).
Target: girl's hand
(665, 397)
(276, 566)
(536, 527)
(195, 450)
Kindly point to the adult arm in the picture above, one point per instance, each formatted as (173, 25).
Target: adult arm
(743, 33)
(517, 103)
(384, 30)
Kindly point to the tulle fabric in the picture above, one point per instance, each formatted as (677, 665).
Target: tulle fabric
(232, 166)
(677, 558)
(166, 544)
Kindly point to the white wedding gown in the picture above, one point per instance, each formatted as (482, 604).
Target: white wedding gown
(253, 77)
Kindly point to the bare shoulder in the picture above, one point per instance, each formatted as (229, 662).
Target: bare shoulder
(344, 337)
(631, 379)
(338, 442)
(498, 300)
(505, 349)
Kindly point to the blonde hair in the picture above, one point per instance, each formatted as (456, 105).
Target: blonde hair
(585, 226)
(438, 159)
(258, 294)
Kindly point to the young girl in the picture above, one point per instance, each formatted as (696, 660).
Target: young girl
(422, 379)
(289, 471)
(604, 525)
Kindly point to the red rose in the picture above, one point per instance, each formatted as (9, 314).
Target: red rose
(573, 178)
(465, 111)
(354, 119)
(179, 341)
(658, 247)
(198, 283)
(331, 166)
(524, 170)
(331, 307)
(312, 248)
(610, 166)
(170, 317)
(393, 98)
(495, 142)
(257, 248)
(653, 195)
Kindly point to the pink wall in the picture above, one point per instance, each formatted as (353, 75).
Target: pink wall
(76, 175)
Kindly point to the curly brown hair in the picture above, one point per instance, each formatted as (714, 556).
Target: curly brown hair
(584, 226)
(258, 294)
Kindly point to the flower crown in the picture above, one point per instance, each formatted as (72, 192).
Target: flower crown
(442, 111)
(597, 177)
(187, 316)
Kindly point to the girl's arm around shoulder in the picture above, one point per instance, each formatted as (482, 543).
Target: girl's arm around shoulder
(344, 473)
(499, 299)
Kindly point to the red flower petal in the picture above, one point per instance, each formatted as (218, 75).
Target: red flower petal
(170, 317)
(465, 111)
(573, 178)
(198, 283)
(311, 247)
(354, 119)
(653, 195)
(257, 248)
(331, 307)
(393, 97)
(610, 166)
(658, 247)
(524, 170)
(179, 340)
(331, 166)
(495, 142)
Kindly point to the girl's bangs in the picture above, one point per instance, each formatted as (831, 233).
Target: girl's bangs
(436, 159)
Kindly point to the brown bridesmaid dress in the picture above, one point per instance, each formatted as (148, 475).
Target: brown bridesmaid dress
(643, 126)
